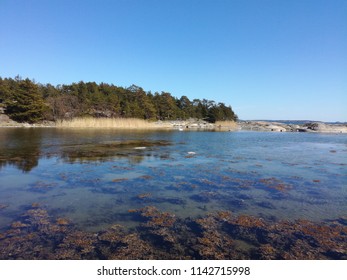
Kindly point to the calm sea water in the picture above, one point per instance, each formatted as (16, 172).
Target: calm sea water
(94, 177)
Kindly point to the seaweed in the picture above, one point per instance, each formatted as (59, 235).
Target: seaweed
(77, 245)
(143, 196)
(117, 180)
(275, 184)
(161, 235)
(157, 218)
(99, 152)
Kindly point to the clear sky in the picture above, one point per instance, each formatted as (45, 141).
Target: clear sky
(268, 59)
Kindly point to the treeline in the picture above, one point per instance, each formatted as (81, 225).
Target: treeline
(24, 100)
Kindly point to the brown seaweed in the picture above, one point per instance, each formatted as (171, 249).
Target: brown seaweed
(276, 184)
(219, 235)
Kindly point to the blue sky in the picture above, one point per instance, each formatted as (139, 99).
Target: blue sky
(268, 59)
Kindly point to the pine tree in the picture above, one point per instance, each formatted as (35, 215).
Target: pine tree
(26, 103)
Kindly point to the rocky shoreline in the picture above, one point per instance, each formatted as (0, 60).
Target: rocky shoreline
(283, 127)
(5, 121)
(194, 124)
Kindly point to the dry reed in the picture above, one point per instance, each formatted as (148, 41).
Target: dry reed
(130, 123)
(120, 123)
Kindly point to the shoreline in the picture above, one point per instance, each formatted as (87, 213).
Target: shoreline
(123, 123)
(188, 125)
(311, 127)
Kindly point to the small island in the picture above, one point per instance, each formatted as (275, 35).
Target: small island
(24, 102)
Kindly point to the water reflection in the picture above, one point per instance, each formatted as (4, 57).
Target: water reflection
(20, 148)
(135, 150)
(174, 190)
(23, 148)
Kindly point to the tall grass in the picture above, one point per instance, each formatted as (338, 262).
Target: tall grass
(130, 123)
(126, 123)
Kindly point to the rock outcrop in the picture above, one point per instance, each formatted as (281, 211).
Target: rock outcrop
(263, 126)
(282, 127)
(325, 128)
(5, 121)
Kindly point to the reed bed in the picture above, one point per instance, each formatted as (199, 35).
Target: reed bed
(120, 123)
(132, 123)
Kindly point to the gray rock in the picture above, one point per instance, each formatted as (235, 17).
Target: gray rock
(325, 128)
(281, 127)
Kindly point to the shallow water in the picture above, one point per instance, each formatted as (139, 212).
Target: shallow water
(94, 177)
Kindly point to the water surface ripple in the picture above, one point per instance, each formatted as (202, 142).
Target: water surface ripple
(99, 178)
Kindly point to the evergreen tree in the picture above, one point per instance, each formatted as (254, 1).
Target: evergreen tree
(26, 103)
(4, 90)
(166, 106)
(186, 107)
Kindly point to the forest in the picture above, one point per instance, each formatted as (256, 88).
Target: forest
(24, 100)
